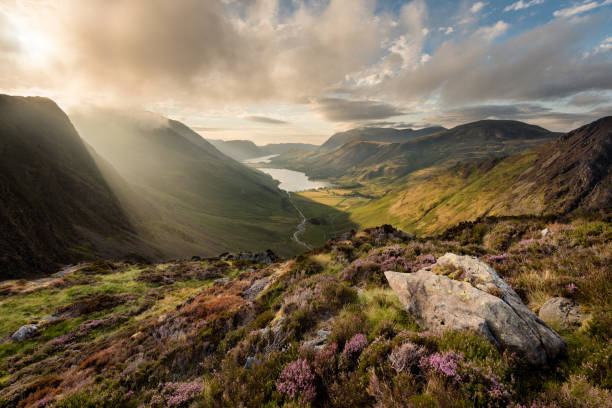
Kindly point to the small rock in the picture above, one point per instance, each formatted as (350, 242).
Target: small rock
(254, 290)
(251, 361)
(561, 311)
(318, 342)
(221, 281)
(24, 332)
(544, 232)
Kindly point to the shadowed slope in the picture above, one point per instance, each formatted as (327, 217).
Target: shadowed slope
(56, 207)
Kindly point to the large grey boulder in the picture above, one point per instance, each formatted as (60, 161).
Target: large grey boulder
(562, 312)
(24, 332)
(474, 297)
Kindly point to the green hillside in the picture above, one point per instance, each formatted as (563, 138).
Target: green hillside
(570, 173)
(183, 193)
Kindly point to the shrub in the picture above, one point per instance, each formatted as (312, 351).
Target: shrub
(297, 381)
(348, 324)
(355, 346)
(407, 356)
(444, 365)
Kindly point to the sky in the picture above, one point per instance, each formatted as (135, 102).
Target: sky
(299, 70)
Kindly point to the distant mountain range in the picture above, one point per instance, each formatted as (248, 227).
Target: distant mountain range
(374, 156)
(573, 172)
(245, 149)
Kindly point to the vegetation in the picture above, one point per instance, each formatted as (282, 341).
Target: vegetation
(172, 334)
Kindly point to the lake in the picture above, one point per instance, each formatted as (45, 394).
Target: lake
(289, 180)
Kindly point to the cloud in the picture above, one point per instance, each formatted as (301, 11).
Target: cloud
(520, 5)
(476, 7)
(494, 31)
(264, 119)
(579, 9)
(343, 110)
(540, 64)
(588, 99)
(531, 113)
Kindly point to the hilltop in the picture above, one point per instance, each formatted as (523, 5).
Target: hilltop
(366, 159)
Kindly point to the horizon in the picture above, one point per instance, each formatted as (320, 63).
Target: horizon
(280, 71)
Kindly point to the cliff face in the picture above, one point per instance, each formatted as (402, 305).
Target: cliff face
(574, 170)
(56, 207)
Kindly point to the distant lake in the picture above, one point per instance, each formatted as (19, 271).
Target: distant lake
(294, 180)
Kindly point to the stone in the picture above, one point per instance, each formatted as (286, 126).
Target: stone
(319, 341)
(481, 301)
(251, 361)
(24, 332)
(254, 290)
(562, 312)
(544, 232)
(221, 281)
(267, 257)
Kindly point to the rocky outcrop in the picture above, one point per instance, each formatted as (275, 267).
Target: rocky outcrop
(24, 332)
(464, 293)
(267, 257)
(562, 312)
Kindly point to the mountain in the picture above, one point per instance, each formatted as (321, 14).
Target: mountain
(183, 193)
(374, 134)
(56, 207)
(237, 149)
(242, 150)
(570, 173)
(282, 148)
(366, 160)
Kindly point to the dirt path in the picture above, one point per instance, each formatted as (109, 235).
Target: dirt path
(301, 227)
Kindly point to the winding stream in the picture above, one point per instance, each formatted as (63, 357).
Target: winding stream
(291, 181)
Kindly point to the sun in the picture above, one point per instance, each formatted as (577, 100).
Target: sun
(35, 45)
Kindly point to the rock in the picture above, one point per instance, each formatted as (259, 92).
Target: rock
(318, 342)
(481, 302)
(254, 290)
(251, 361)
(561, 311)
(544, 232)
(24, 332)
(267, 257)
(221, 281)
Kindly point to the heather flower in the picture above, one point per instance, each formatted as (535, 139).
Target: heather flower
(497, 258)
(354, 347)
(444, 364)
(177, 394)
(44, 402)
(297, 380)
(572, 287)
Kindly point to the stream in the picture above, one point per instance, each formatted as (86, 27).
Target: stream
(291, 181)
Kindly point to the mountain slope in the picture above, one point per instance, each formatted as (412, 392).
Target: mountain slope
(237, 149)
(373, 134)
(365, 160)
(200, 201)
(573, 172)
(56, 207)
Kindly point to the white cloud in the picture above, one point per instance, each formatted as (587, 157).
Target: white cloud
(520, 5)
(579, 9)
(447, 30)
(476, 7)
(494, 31)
